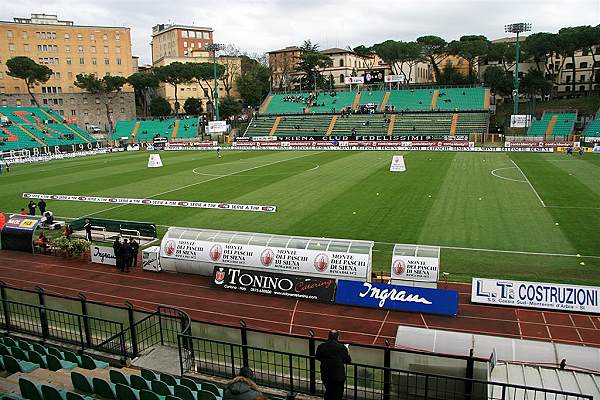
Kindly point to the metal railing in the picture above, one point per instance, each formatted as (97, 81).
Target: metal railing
(298, 373)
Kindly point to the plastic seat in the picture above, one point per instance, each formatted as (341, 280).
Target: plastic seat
(71, 357)
(124, 392)
(148, 395)
(40, 349)
(104, 389)
(214, 389)
(149, 375)
(117, 376)
(24, 345)
(139, 383)
(56, 353)
(184, 392)
(54, 364)
(191, 384)
(82, 383)
(77, 396)
(205, 395)
(30, 390)
(169, 379)
(9, 342)
(4, 350)
(52, 393)
(88, 362)
(161, 388)
(13, 365)
(19, 354)
(37, 358)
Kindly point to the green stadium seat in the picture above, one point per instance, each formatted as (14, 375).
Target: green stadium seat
(52, 393)
(149, 395)
(161, 388)
(88, 362)
(24, 345)
(55, 364)
(124, 392)
(104, 389)
(184, 393)
(212, 388)
(39, 359)
(139, 382)
(30, 390)
(82, 383)
(9, 342)
(117, 376)
(40, 349)
(13, 365)
(19, 354)
(77, 396)
(191, 384)
(71, 357)
(168, 379)
(206, 395)
(149, 375)
(56, 353)
(5, 350)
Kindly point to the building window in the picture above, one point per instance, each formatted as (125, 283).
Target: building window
(184, 43)
(80, 49)
(105, 49)
(17, 90)
(24, 35)
(67, 49)
(583, 65)
(9, 34)
(341, 78)
(118, 50)
(106, 61)
(341, 62)
(45, 101)
(568, 88)
(569, 66)
(81, 61)
(117, 36)
(79, 36)
(73, 113)
(582, 88)
(93, 61)
(26, 47)
(92, 37)
(67, 36)
(68, 61)
(118, 61)
(205, 35)
(93, 49)
(568, 78)
(581, 78)
(184, 34)
(11, 47)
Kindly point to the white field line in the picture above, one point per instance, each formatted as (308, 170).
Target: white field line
(527, 180)
(493, 172)
(204, 181)
(575, 207)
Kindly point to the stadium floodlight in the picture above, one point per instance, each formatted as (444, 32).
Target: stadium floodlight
(517, 28)
(214, 47)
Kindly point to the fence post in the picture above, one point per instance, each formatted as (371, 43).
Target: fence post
(244, 337)
(162, 339)
(232, 355)
(387, 364)
(43, 316)
(134, 342)
(311, 363)
(469, 375)
(86, 322)
(180, 354)
(5, 306)
(291, 367)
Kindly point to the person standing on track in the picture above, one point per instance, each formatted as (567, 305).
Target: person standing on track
(117, 251)
(333, 355)
(88, 230)
(126, 256)
(135, 248)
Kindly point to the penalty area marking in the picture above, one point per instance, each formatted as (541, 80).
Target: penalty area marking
(529, 183)
(316, 166)
(493, 172)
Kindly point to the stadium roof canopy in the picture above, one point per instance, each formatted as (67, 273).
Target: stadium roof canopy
(416, 250)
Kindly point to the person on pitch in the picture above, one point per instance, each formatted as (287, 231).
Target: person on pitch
(88, 230)
(333, 355)
(219, 151)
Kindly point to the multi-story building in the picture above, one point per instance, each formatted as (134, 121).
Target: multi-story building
(67, 49)
(179, 40)
(576, 77)
(283, 64)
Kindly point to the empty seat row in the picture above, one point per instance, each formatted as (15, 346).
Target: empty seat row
(33, 391)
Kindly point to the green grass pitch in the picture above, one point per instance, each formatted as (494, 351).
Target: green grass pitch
(469, 203)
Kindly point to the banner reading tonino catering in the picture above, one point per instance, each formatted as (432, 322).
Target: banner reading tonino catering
(274, 284)
(291, 261)
(552, 296)
(153, 202)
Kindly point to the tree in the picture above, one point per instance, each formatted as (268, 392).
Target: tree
(311, 63)
(254, 83)
(535, 83)
(434, 49)
(367, 53)
(144, 84)
(499, 80)
(451, 76)
(229, 107)
(160, 107)
(540, 47)
(192, 106)
(231, 71)
(389, 52)
(30, 72)
(174, 74)
(470, 47)
(203, 74)
(107, 88)
(503, 53)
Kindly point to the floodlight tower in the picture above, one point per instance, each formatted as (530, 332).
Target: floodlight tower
(517, 28)
(214, 47)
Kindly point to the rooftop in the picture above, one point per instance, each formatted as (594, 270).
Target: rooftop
(162, 28)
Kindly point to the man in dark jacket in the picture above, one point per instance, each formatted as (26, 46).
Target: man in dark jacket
(88, 231)
(125, 256)
(31, 207)
(42, 206)
(242, 387)
(117, 250)
(333, 355)
(135, 248)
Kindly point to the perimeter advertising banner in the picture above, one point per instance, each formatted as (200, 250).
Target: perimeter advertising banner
(397, 298)
(551, 296)
(291, 261)
(274, 284)
(103, 255)
(421, 269)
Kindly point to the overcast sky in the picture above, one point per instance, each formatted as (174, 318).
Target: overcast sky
(263, 25)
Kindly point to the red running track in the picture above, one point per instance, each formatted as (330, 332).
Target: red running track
(193, 294)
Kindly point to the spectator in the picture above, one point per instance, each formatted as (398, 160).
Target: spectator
(126, 256)
(31, 207)
(117, 251)
(68, 231)
(42, 206)
(42, 242)
(333, 355)
(242, 387)
(88, 230)
(135, 248)
(23, 212)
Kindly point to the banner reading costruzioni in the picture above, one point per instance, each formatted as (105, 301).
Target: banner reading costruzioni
(154, 202)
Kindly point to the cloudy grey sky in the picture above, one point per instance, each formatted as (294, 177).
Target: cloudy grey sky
(263, 25)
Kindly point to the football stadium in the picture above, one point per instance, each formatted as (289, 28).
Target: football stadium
(412, 219)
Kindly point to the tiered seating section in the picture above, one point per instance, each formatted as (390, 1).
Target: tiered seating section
(553, 125)
(593, 127)
(37, 372)
(443, 99)
(146, 130)
(430, 123)
(30, 127)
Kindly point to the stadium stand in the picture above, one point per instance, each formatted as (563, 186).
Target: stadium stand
(146, 130)
(553, 125)
(593, 127)
(29, 127)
